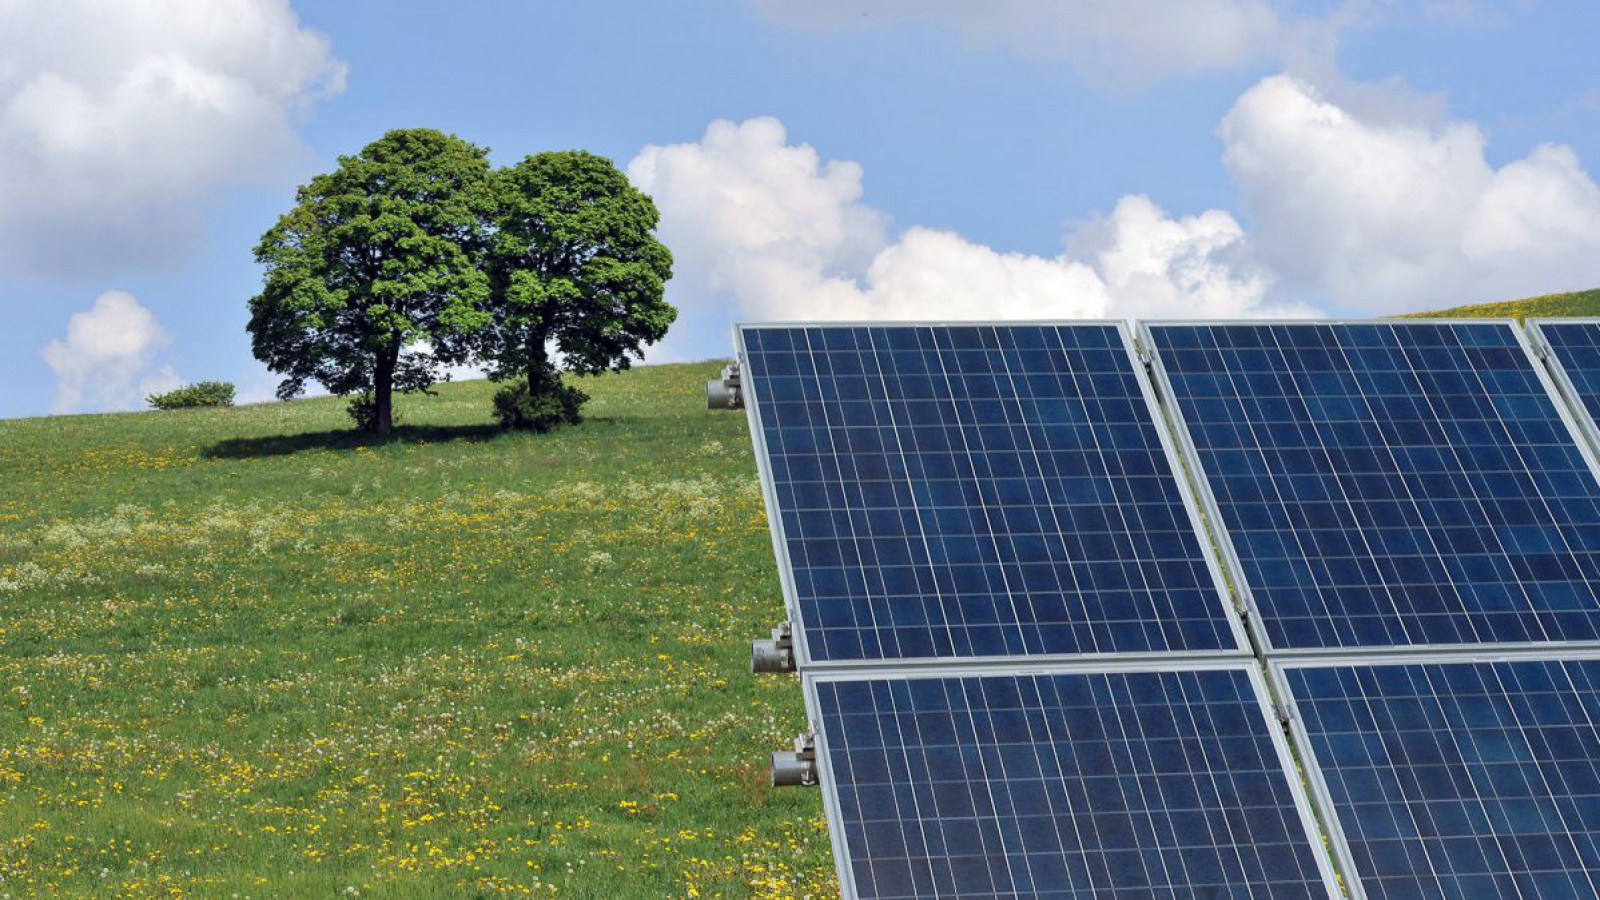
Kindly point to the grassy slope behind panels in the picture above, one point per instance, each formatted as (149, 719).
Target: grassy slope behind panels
(1581, 303)
(242, 653)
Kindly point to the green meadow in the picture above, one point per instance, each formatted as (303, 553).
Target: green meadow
(245, 653)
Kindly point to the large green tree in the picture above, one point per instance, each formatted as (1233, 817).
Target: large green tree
(375, 276)
(577, 274)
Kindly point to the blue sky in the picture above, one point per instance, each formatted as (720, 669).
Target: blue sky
(817, 159)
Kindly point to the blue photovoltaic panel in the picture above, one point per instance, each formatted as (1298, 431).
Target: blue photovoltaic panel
(968, 491)
(1576, 346)
(1461, 779)
(1142, 784)
(1392, 484)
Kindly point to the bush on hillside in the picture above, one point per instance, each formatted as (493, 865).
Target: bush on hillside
(555, 404)
(363, 410)
(204, 393)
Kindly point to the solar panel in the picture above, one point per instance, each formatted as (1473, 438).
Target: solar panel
(1390, 484)
(1575, 356)
(1119, 784)
(975, 491)
(1459, 779)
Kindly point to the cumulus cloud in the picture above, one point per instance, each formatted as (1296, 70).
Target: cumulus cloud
(119, 120)
(765, 229)
(1156, 266)
(1384, 213)
(1105, 39)
(108, 359)
(750, 215)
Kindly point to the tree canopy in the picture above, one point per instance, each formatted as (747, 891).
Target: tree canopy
(574, 265)
(376, 269)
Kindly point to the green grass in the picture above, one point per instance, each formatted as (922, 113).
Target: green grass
(1580, 303)
(244, 653)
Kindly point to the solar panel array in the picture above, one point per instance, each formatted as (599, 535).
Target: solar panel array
(1392, 484)
(972, 491)
(1025, 673)
(1461, 778)
(1126, 784)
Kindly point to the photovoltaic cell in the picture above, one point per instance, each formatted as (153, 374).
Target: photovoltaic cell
(1139, 784)
(1391, 484)
(1576, 346)
(1461, 779)
(972, 491)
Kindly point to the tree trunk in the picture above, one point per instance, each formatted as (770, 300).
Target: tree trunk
(383, 392)
(538, 363)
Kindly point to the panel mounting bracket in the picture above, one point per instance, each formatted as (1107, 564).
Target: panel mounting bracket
(775, 654)
(725, 392)
(797, 767)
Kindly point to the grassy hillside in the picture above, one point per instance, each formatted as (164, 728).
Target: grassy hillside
(244, 654)
(1581, 303)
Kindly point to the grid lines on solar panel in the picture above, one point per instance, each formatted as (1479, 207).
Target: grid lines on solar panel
(1576, 346)
(1106, 785)
(1392, 484)
(1462, 779)
(970, 491)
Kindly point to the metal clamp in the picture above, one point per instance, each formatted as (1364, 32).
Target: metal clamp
(776, 654)
(797, 767)
(724, 392)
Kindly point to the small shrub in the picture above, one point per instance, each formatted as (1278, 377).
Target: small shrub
(363, 409)
(555, 404)
(204, 393)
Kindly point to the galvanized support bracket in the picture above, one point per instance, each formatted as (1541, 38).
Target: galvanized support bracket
(774, 655)
(725, 392)
(797, 767)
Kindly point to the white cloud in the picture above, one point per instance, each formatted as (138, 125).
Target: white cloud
(1104, 39)
(765, 229)
(107, 360)
(1382, 213)
(1156, 266)
(930, 274)
(752, 215)
(119, 120)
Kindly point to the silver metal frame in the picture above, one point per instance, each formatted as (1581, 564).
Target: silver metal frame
(752, 409)
(803, 658)
(1213, 511)
(1290, 769)
(1312, 767)
(1557, 368)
